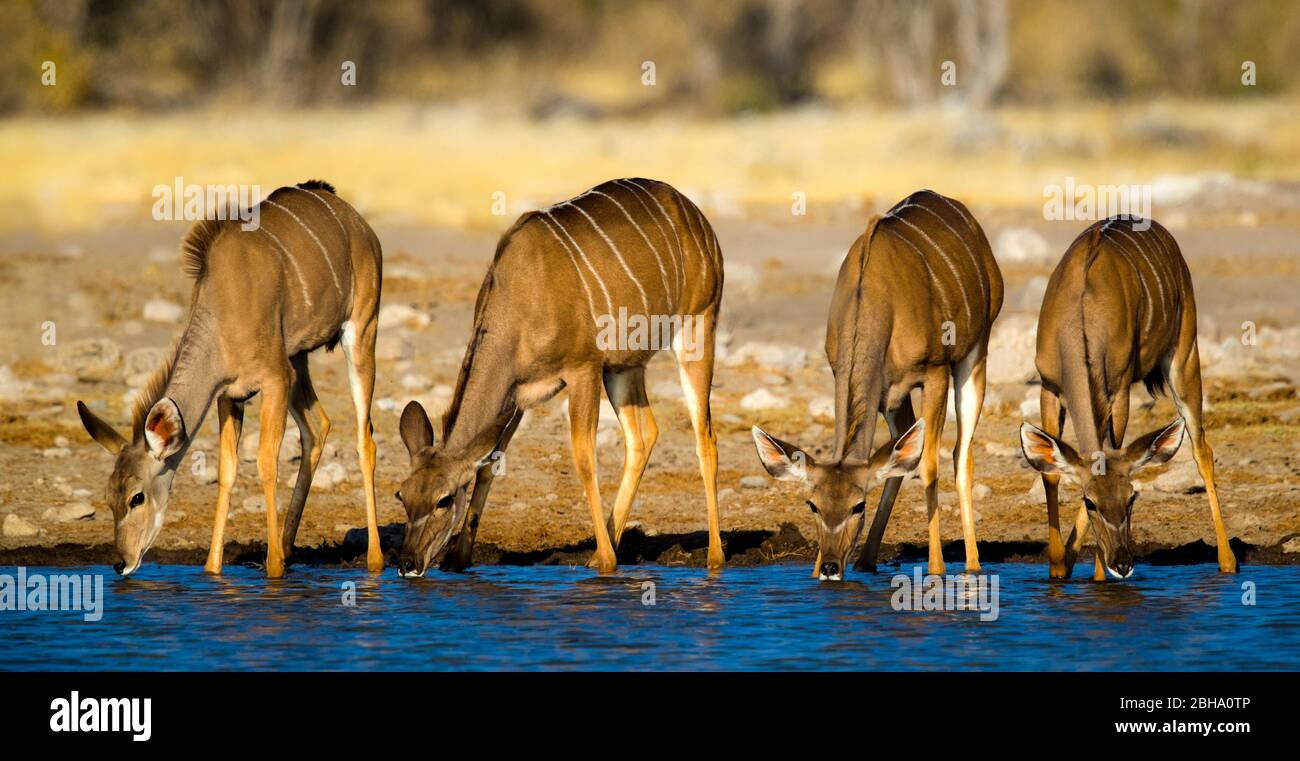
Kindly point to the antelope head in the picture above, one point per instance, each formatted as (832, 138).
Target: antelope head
(141, 482)
(838, 490)
(1106, 481)
(434, 494)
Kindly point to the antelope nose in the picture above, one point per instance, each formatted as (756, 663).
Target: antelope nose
(1124, 567)
(830, 568)
(118, 567)
(405, 566)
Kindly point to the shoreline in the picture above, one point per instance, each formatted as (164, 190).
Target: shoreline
(745, 549)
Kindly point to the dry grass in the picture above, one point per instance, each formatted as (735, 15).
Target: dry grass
(442, 165)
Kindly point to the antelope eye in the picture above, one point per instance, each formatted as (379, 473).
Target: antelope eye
(137, 499)
(811, 506)
(1092, 506)
(858, 508)
(445, 501)
(398, 495)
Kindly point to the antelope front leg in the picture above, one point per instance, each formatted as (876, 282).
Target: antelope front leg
(1053, 419)
(1077, 534)
(934, 402)
(584, 411)
(359, 350)
(230, 418)
(275, 406)
(898, 420)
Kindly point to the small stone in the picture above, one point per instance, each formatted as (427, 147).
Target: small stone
(252, 505)
(762, 399)
(981, 491)
(726, 494)
(162, 310)
(1036, 491)
(54, 452)
(329, 475)
(397, 315)
(770, 355)
(413, 382)
(73, 511)
(18, 527)
(822, 408)
(1179, 479)
(61, 441)
(753, 482)
(1021, 244)
(89, 358)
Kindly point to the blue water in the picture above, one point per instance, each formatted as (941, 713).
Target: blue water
(773, 617)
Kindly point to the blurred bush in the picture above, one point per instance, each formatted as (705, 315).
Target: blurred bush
(586, 56)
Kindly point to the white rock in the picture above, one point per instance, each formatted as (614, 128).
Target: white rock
(1182, 478)
(140, 364)
(54, 452)
(1012, 346)
(1036, 491)
(205, 475)
(981, 491)
(822, 408)
(18, 527)
(775, 356)
(1023, 245)
(413, 382)
(162, 310)
(89, 358)
(11, 389)
(762, 399)
(753, 482)
(396, 315)
(73, 511)
(330, 475)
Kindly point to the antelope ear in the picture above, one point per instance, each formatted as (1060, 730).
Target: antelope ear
(900, 456)
(417, 431)
(164, 431)
(783, 461)
(1046, 453)
(1156, 447)
(100, 431)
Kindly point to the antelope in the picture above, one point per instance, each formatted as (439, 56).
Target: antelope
(307, 276)
(541, 324)
(913, 305)
(1119, 309)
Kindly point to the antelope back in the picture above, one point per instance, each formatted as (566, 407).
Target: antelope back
(636, 245)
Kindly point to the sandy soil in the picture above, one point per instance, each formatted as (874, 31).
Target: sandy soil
(95, 286)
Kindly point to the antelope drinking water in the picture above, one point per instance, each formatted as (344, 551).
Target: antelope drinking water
(913, 306)
(541, 322)
(308, 276)
(1119, 309)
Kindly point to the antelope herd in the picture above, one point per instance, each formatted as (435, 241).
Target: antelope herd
(913, 307)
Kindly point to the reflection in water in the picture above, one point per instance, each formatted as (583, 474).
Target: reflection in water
(657, 618)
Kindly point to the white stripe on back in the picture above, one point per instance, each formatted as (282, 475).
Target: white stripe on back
(302, 282)
(591, 303)
(676, 233)
(663, 273)
(321, 246)
(679, 274)
(979, 270)
(942, 298)
(609, 303)
(951, 266)
(645, 301)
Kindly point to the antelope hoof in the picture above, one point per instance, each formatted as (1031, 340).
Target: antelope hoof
(274, 567)
(716, 558)
(374, 560)
(212, 567)
(972, 565)
(935, 568)
(1058, 571)
(1228, 564)
(605, 564)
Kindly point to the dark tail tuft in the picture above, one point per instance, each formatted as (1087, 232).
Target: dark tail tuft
(317, 185)
(1156, 381)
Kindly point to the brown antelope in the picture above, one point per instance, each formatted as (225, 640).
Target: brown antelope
(542, 323)
(307, 276)
(913, 306)
(1119, 309)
